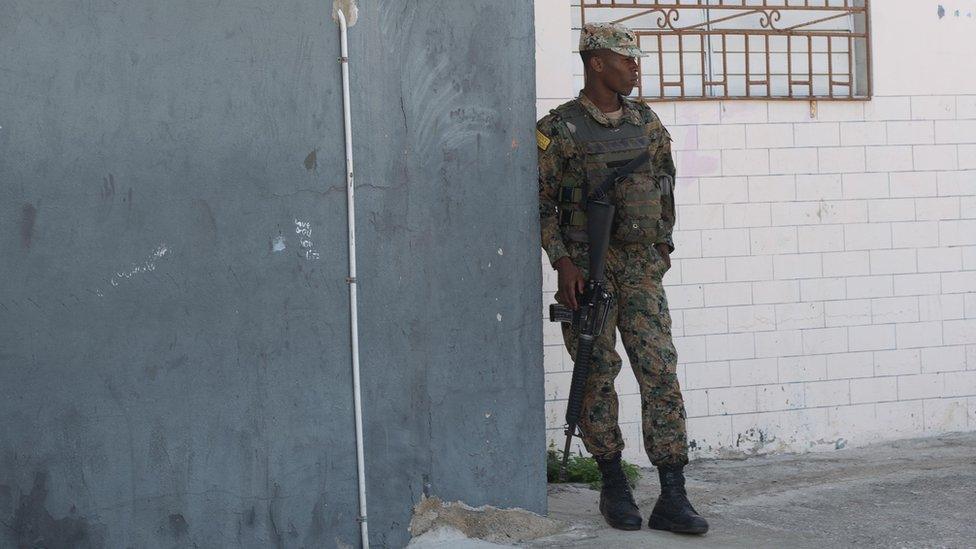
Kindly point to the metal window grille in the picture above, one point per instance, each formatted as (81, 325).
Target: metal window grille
(746, 49)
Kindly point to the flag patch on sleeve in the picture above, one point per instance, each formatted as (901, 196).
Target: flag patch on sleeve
(542, 140)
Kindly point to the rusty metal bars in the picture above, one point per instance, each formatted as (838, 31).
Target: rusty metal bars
(731, 22)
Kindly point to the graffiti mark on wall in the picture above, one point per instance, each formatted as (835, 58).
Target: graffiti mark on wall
(146, 266)
(304, 231)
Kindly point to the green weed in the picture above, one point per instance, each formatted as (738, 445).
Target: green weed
(584, 469)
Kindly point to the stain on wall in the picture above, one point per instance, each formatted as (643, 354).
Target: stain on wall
(34, 526)
(310, 161)
(956, 10)
(28, 216)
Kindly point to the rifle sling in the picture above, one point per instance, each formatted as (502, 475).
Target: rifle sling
(600, 193)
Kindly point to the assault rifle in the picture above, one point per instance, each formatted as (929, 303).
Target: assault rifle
(590, 319)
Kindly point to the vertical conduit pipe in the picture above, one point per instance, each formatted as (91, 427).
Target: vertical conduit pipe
(353, 316)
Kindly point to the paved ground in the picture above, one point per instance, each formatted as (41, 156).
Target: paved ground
(915, 493)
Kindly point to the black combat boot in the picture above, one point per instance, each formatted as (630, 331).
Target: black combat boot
(616, 502)
(673, 511)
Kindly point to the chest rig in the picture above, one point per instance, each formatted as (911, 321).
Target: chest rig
(604, 150)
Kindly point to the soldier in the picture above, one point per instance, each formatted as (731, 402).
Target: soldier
(580, 143)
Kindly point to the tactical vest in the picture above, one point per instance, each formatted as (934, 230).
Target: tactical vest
(637, 198)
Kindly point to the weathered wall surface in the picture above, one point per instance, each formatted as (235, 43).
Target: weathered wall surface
(174, 349)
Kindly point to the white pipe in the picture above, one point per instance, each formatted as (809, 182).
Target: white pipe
(354, 317)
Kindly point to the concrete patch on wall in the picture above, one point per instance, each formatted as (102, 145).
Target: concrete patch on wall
(278, 244)
(485, 522)
(349, 10)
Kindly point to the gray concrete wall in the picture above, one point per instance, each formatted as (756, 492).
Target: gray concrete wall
(169, 375)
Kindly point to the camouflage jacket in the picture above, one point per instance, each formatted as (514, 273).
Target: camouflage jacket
(559, 156)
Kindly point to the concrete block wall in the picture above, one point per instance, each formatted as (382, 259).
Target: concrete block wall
(823, 289)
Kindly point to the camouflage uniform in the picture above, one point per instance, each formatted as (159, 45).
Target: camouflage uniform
(634, 273)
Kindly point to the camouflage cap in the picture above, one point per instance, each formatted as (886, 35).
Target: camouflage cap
(609, 36)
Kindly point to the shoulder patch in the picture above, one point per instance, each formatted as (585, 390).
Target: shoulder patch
(542, 140)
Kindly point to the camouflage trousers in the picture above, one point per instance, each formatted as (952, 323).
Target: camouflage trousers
(640, 313)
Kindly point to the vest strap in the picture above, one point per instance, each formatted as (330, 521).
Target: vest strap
(621, 173)
(573, 218)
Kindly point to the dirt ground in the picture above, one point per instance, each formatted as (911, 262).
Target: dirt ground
(911, 493)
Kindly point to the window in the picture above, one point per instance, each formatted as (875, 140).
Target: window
(746, 49)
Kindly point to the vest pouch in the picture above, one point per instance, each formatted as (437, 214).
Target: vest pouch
(572, 218)
(638, 202)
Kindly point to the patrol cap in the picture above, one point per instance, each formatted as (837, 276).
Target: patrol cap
(609, 36)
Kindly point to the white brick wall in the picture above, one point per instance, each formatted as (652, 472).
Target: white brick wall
(823, 290)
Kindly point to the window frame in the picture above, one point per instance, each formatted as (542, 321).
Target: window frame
(666, 14)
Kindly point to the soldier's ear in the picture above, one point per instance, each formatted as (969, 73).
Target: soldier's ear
(596, 63)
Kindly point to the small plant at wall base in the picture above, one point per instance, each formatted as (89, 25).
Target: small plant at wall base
(584, 469)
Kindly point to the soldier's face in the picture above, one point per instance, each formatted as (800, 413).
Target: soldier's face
(619, 72)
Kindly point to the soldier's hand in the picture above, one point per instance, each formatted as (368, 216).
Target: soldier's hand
(571, 283)
(665, 253)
